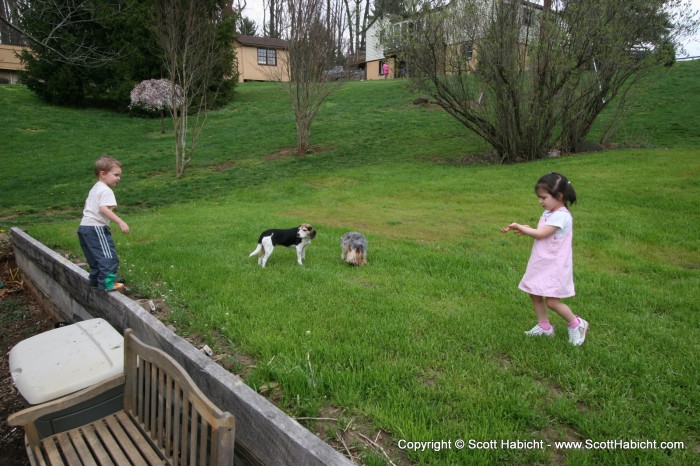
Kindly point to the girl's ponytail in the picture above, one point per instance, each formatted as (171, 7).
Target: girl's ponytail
(555, 183)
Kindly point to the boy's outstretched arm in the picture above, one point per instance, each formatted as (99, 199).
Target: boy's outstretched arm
(109, 213)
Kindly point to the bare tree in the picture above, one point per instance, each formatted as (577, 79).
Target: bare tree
(337, 23)
(310, 46)
(272, 24)
(186, 32)
(9, 30)
(64, 28)
(528, 79)
(357, 12)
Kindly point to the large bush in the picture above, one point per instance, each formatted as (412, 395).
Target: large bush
(100, 51)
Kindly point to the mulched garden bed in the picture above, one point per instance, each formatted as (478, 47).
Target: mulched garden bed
(20, 318)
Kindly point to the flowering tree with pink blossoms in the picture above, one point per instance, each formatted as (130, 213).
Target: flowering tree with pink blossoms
(156, 95)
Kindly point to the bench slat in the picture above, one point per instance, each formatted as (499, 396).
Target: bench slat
(81, 447)
(110, 445)
(125, 442)
(69, 453)
(53, 456)
(168, 409)
(150, 454)
(100, 454)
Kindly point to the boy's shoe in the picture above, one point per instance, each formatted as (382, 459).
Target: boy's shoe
(538, 331)
(117, 287)
(577, 335)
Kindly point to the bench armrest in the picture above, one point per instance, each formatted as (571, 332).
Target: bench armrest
(30, 415)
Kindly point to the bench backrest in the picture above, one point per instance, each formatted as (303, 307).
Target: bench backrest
(184, 424)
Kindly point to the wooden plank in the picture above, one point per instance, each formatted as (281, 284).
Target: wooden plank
(130, 378)
(138, 412)
(109, 443)
(98, 450)
(126, 443)
(146, 395)
(52, 454)
(169, 414)
(204, 434)
(145, 447)
(68, 452)
(36, 456)
(153, 381)
(81, 447)
(194, 432)
(177, 406)
(183, 441)
(160, 415)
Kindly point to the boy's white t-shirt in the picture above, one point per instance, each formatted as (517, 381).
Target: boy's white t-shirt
(100, 195)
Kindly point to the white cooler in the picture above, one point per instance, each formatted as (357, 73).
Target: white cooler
(62, 361)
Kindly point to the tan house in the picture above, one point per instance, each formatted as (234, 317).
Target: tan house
(262, 59)
(382, 53)
(10, 64)
(259, 59)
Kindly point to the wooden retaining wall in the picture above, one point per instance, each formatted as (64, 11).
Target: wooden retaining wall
(264, 434)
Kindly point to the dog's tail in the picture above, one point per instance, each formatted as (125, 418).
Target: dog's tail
(257, 250)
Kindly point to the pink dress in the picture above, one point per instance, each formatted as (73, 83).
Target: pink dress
(550, 270)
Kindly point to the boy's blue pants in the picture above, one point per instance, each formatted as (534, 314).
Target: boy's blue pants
(101, 255)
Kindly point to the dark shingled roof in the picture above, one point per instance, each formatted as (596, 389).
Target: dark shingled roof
(268, 42)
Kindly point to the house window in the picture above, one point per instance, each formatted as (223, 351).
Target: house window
(267, 57)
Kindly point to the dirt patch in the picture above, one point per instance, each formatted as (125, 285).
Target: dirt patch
(222, 166)
(290, 152)
(484, 158)
(20, 318)
(356, 438)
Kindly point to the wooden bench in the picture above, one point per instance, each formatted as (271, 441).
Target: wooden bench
(166, 419)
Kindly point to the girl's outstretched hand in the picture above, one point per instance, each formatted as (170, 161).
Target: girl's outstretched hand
(514, 227)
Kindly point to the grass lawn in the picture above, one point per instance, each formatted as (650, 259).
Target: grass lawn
(425, 343)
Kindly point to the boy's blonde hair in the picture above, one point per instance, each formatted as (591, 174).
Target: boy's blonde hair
(105, 164)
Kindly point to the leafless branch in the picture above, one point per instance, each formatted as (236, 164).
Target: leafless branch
(61, 23)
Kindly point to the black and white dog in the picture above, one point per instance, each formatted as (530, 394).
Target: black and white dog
(353, 247)
(298, 238)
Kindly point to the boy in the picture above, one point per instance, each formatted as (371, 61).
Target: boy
(94, 233)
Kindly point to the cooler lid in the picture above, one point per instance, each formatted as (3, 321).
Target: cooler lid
(65, 360)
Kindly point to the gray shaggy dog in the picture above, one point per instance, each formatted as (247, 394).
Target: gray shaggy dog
(354, 248)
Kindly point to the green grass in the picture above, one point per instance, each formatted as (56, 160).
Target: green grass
(424, 343)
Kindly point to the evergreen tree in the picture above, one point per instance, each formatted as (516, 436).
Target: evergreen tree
(94, 53)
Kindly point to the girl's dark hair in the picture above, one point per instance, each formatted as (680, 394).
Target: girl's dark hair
(554, 183)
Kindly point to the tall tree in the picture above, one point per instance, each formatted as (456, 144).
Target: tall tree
(9, 23)
(357, 12)
(196, 39)
(273, 25)
(86, 52)
(530, 79)
(71, 47)
(247, 27)
(310, 46)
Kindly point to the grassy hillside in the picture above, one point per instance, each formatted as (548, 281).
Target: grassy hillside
(47, 151)
(425, 343)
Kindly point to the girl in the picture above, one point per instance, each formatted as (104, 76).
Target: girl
(550, 272)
